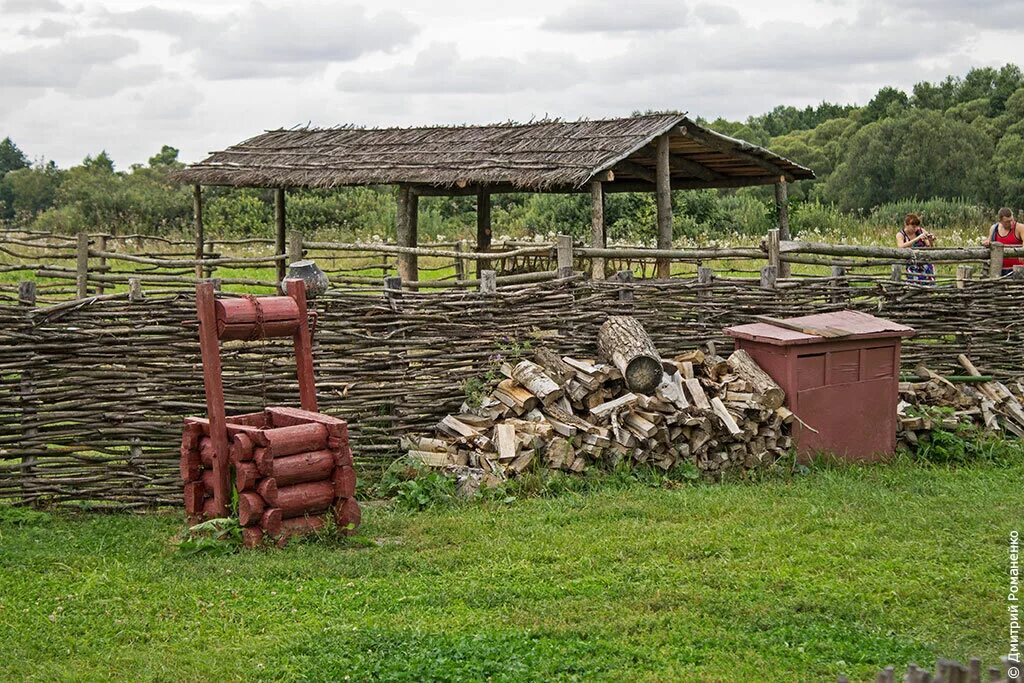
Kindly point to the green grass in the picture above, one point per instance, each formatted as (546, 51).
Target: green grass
(847, 569)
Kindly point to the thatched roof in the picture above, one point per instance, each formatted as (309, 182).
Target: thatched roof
(548, 155)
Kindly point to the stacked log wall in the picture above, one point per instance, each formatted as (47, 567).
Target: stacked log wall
(92, 395)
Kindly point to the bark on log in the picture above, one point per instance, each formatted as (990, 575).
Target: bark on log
(768, 393)
(624, 343)
(532, 376)
(305, 499)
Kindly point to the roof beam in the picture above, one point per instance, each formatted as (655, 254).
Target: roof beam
(692, 168)
(723, 145)
(615, 186)
(635, 169)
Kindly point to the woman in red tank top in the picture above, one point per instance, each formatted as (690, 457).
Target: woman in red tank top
(1009, 232)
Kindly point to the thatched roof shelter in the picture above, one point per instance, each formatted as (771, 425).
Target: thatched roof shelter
(543, 156)
(649, 153)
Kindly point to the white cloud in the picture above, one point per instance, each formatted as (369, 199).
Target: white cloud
(62, 66)
(611, 16)
(47, 28)
(173, 22)
(31, 6)
(717, 14)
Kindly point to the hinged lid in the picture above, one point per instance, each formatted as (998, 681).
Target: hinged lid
(808, 329)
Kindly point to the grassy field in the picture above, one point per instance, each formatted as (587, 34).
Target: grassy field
(843, 570)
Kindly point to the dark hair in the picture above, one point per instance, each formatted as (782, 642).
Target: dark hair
(1005, 213)
(912, 219)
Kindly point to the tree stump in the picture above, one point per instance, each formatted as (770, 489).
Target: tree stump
(624, 343)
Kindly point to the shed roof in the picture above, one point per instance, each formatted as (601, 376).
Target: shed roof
(547, 155)
(840, 324)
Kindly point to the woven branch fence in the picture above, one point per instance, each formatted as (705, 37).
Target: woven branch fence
(93, 391)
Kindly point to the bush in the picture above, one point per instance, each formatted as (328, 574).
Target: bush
(822, 220)
(935, 213)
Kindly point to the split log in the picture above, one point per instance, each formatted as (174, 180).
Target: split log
(304, 499)
(767, 392)
(623, 342)
(553, 365)
(303, 467)
(241, 448)
(533, 377)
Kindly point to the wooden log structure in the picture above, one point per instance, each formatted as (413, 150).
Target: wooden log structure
(624, 343)
(304, 467)
(309, 498)
(299, 438)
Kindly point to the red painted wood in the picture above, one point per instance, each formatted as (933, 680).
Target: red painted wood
(206, 451)
(250, 508)
(344, 482)
(303, 347)
(270, 521)
(856, 324)
(267, 488)
(347, 515)
(246, 476)
(194, 495)
(209, 348)
(190, 464)
(252, 331)
(299, 526)
(211, 510)
(343, 457)
(252, 536)
(300, 438)
(243, 310)
(304, 499)
(303, 467)
(241, 448)
(288, 417)
(264, 461)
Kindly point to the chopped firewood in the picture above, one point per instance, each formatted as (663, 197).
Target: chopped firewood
(505, 441)
(697, 395)
(726, 417)
(533, 378)
(605, 409)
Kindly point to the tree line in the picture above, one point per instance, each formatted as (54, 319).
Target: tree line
(955, 147)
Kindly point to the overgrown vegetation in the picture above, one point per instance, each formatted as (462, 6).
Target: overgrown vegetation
(851, 569)
(953, 150)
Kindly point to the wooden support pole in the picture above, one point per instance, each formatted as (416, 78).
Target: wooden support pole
(29, 430)
(82, 265)
(101, 246)
(197, 221)
(295, 250)
(296, 289)
(625, 277)
(280, 232)
(840, 292)
(772, 246)
(208, 255)
(209, 348)
(597, 229)
(769, 275)
(782, 215)
(995, 261)
(963, 275)
(563, 254)
(483, 229)
(406, 225)
(897, 272)
(663, 198)
(135, 289)
(460, 263)
(488, 282)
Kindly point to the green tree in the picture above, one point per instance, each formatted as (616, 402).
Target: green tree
(11, 159)
(33, 189)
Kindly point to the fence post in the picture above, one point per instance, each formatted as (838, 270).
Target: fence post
(488, 281)
(769, 274)
(995, 261)
(208, 253)
(840, 291)
(774, 253)
(963, 274)
(101, 245)
(27, 298)
(705, 275)
(295, 250)
(135, 289)
(626, 278)
(563, 251)
(1018, 273)
(460, 263)
(82, 265)
(897, 272)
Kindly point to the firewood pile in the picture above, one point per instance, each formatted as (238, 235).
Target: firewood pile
(566, 413)
(972, 399)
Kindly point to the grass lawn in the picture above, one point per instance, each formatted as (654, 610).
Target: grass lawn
(844, 570)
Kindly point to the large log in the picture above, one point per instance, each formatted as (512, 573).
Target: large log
(305, 499)
(768, 393)
(296, 469)
(299, 438)
(533, 377)
(250, 508)
(624, 343)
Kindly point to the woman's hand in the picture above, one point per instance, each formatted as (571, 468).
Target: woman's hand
(986, 242)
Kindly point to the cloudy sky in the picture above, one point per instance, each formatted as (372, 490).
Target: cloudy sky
(79, 76)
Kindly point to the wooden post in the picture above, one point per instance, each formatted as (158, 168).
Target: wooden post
(460, 263)
(483, 229)
(295, 250)
(563, 253)
(406, 225)
(663, 198)
(209, 253)
(897, 272)
(995, 261)
(774, 253)
(209, 348)
(963, 274)
(101, 245)
(280, 233)
(393, 289)
(705, 276)
(626, 278)
(197, 219)
(840, 293)
(769, 274)
(488, 282)
(296, 289)
(135, 289)
(782, 213)
(82, 265)
(27, 298)
(1018, 273)
(598, 239)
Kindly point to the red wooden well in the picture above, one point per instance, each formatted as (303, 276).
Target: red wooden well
(840, 372)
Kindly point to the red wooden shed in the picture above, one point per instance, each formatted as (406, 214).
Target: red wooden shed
(840, 372)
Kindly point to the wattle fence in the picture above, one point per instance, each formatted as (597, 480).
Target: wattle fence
(93, 390)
